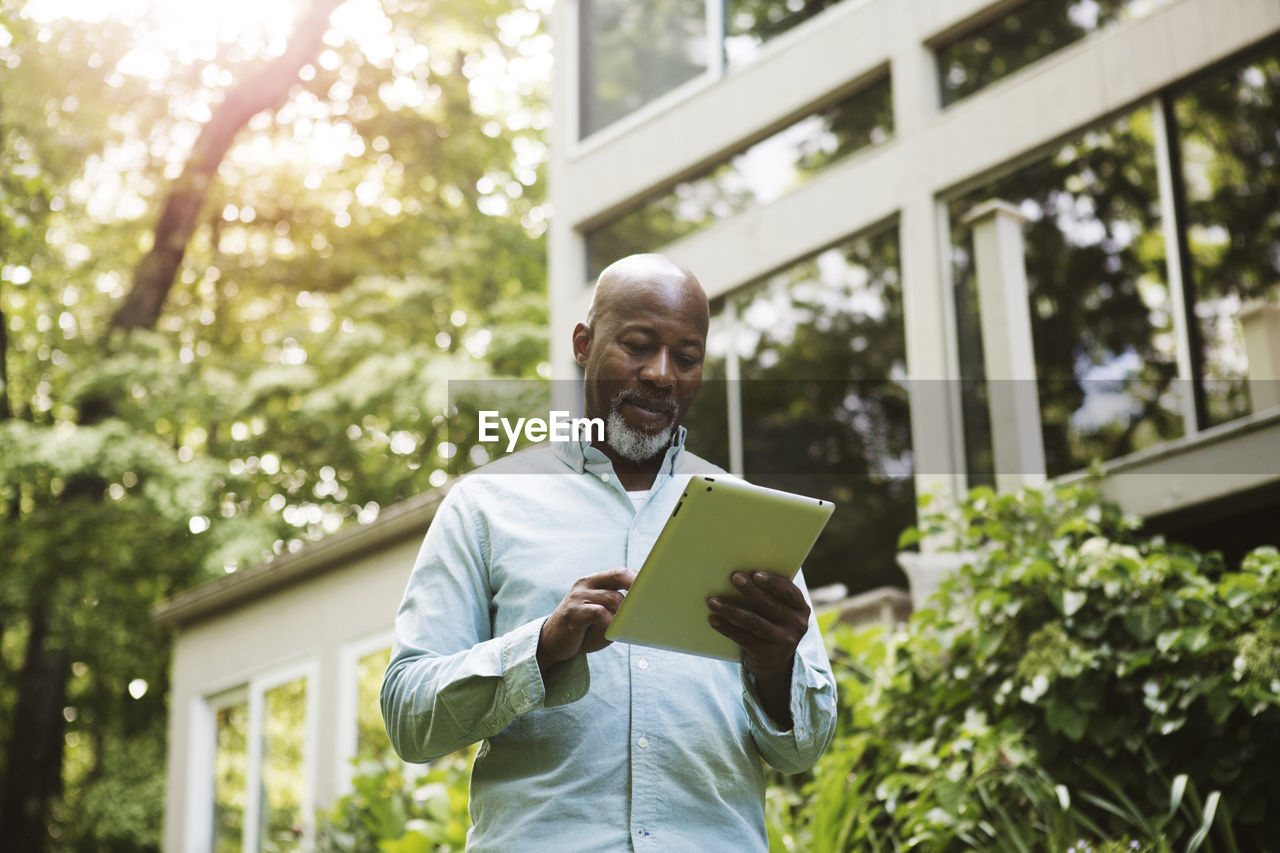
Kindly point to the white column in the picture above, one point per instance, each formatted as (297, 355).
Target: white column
(1261, 324)
(1016, 438)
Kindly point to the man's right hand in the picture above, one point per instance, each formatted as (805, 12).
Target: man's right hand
(579, 621)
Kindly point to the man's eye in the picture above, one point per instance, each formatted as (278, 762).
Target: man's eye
(688, 360)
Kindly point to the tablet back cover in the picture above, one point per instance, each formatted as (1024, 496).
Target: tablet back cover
(720, 525)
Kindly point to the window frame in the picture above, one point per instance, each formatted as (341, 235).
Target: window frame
(202, 752)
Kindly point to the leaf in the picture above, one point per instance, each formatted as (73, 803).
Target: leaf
(1210, 811)
(1176, 792)
(1142, 624)
(1071, 601)
(1066, 719)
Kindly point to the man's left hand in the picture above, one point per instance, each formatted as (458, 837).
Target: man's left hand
(768, 622)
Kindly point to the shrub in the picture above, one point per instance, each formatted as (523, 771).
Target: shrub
(394, 811)
(1074, 680)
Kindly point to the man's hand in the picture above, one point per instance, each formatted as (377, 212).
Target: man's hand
(768, 622)
(580, 619)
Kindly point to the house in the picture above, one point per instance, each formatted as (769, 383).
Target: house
(948, 243)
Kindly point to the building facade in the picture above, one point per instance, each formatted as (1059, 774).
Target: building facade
(948, 243)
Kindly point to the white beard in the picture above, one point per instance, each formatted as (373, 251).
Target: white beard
(629, 442)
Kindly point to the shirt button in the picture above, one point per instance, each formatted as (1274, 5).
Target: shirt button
(643, 664)
(604, 478)
(640, 831)
(643, 742)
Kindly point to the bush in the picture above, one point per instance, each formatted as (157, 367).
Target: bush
(1074, 681)
(394, 811)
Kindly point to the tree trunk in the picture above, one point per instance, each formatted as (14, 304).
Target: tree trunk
(33, 774)
(267, 89)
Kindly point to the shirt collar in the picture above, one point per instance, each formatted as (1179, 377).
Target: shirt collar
(581, 456)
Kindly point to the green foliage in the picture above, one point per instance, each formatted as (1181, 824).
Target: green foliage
(393, 811)
(1074, 680)
(360, 247)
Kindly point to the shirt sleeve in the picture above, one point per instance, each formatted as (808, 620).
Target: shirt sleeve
(813, 705)
(450, 682)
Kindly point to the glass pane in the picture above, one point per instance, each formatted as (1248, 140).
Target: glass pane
(824, 411)
(757, 175)
(1020, 36)
(284, 721)
(634, 52)
(1229, 127)
(230, 761)
(708, 418)
(371, 735)
(1101, 320)
(751, 23)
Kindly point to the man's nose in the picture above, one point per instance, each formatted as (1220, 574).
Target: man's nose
(658, 369)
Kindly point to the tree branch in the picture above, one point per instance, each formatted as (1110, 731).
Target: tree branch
(266, 89)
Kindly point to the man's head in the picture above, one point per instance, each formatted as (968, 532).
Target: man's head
(641, 349)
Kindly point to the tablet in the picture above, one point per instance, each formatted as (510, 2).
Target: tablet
(719, 525)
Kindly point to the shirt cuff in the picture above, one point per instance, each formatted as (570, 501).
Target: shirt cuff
(804, 678)
(527, 689)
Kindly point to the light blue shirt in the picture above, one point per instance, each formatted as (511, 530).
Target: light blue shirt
(626, 748)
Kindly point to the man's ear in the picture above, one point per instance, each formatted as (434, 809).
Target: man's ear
(581, 343)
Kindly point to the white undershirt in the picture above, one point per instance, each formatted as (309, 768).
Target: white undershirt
(638, 498)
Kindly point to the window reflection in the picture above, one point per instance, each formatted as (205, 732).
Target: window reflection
(757, 175)
(822, 355)
(371, 737)
(1020, 36)
(1101, 318)
(230, 762)
(708, 418)
(1229, 129)
(281, 796)
(751, 23)
(634, 52)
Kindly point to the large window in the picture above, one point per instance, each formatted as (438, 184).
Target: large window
(756, 175)
(634, 52)
(1229, 129)
(1019, 36)
(262, 752)
(820, 351)
(1101, 310)
(631, 53)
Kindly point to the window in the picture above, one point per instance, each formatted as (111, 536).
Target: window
(231, 759)
(821, 352)
(282, 786)
(1024, 34)
(634, 52)
(754, 176)
(371, 735)
(261, 765)
(751, 23)
(1101, 311)
(1229, 129)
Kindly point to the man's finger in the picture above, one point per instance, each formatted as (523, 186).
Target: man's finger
(751, 622)
(587, 615)
(744, 639)
(619, 578)
(610, 598)
(782, 588)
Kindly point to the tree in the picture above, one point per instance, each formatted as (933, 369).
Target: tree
(281, 378)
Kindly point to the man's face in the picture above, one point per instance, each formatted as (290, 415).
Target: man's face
(643, 364)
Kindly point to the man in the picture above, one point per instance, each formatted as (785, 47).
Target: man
(587, 745)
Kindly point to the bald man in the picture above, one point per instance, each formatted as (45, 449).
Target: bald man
(500, 638)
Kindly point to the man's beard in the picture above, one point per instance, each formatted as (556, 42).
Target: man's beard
(631, 443)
